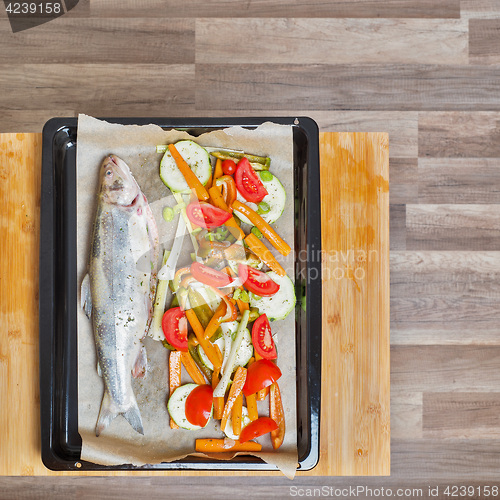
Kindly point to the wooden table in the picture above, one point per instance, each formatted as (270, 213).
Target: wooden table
(355, 420)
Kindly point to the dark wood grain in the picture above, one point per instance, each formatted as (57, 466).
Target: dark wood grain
(430, 288)
(461, 416)
(331, 87)
(101, 41)
(484, 41)
(280, 8)
(452, 227)
(455, 135)
(460, 180)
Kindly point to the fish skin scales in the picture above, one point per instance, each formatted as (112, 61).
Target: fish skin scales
(120, 292)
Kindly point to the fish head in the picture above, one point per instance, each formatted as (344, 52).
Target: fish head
(118, 186)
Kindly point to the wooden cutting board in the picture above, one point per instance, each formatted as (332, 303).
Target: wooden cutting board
(355, 417)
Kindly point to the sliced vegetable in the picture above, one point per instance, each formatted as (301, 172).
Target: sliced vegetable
(174, 327)
(199, 164)
(257, 428)
(252, 407)
(236, 415)
(279, 305)
(218, 201)
(199, 405)
(176, 406)
(205, 343)
(218, 402)
(235, 391)
(245, 352)
(277, 414)
(262, 338)
(228, 167)
(192, 369)
(263, 393)
(261, 374)
(245, 420)
(258, 162)
(228, 187)
(224, 445)
(217, 171)
(256, 231)
(220, 390)
(209, 276)
(273, 237)
(206, 215)
(168, 214)
(257, 282)
(231, 312)
(174, 377)
(259, 249)
(216, 320)
(248, 182)
(266, 176)
(193, 351)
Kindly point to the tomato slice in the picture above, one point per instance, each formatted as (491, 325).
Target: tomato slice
(257, 428)
(228, 167)
(199, 405)
(260, 374)
(174, 326)
(209, 276)
(256, 281)
(205, 215)
(262, 338)
(248, 182)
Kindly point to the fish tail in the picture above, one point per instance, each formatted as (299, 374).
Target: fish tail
(109, 412)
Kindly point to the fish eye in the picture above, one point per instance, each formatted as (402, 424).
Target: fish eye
(109, 173)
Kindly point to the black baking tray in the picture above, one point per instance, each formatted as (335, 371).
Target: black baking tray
(61, 443)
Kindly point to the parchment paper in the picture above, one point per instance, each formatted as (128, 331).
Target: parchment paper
(136, 145)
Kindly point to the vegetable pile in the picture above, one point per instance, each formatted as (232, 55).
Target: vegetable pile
(217, 326)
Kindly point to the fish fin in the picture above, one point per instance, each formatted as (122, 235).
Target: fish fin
(99, 371)
(133, 417)
(141, 364)
(109, 412)
(86, 296)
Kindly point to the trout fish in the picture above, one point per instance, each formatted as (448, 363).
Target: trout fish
(118, 291)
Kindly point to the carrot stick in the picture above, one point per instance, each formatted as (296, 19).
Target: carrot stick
(217, 170)
(215, 321)
(218, 402)
(277, 414)
(262, 394)
(191, 179)
(236, 388)
(265, 255)
(212, 354)
(218, 201)
(221, 445)
(273, 237)
(236, 414)
(190, 366)
(174, 377)
(252, 407)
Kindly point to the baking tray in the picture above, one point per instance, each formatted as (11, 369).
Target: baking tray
(61, 443)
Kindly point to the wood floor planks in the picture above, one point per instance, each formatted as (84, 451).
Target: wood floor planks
(101, 41)
(280, 8)
(332, 41)
(425, 71)
(440, 298)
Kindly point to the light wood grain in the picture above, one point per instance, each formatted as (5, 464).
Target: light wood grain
(458, 180)
(101, 41)
(447, 298)
(461, 416)
(20, 163)
(101, 89)
(384, 87)
(446, 368)
(279, 8)
(459, 134)
(403, 175)
(479, 9)
(332, 41)
(354, 172)
(452, 227)
(398, 227)
(406, 415)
